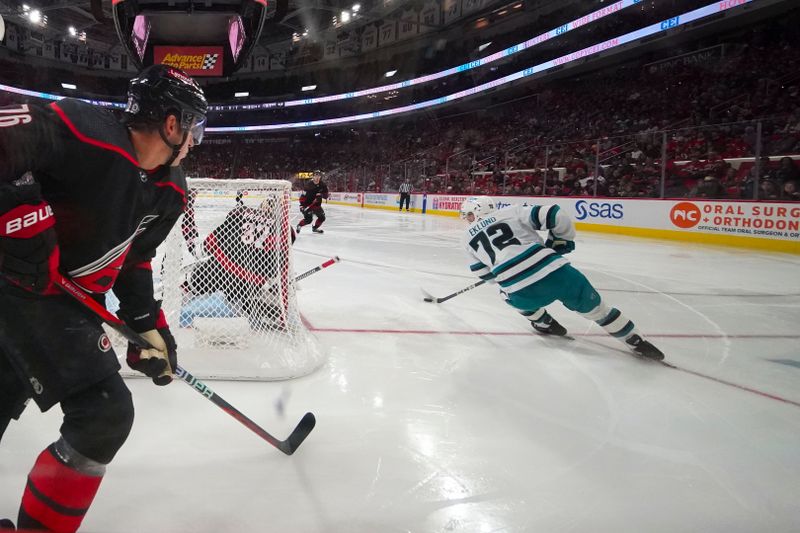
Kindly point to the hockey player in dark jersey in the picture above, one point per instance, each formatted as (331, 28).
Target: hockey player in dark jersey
(243, 257)
(106, 193)
(311, 202)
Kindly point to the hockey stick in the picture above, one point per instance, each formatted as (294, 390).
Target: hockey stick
(288, 446)
(326, 264)
(432, 299)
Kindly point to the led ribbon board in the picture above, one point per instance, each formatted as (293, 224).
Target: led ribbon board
(653, 29)
(526, 45)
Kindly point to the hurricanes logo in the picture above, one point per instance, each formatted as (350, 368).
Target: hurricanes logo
(104, 343)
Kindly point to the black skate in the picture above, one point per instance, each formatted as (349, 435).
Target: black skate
(297, 229)
(317, 230)
(547, 325)
(7, 525)
(643, 348)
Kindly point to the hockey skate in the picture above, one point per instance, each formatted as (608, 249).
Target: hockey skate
(7, 525)
(643, 348)
(297, 229)
(547, 325)
(316, 230)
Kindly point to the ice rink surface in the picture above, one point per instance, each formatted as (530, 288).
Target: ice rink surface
(458, 418)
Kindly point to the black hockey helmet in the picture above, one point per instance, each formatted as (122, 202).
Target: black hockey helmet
(159, 91)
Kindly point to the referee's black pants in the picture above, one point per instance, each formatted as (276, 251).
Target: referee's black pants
(405, 197)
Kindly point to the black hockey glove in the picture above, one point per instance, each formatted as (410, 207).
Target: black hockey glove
(160, 361)
(560, 246)
(29, 253)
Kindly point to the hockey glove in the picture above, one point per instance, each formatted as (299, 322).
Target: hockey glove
(29, 253)
(560, 246)
(160, 361)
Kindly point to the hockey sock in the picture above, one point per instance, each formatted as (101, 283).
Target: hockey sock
(535, 316)
(613, 321)
(57, 495)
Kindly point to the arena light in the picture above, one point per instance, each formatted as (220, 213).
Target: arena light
(70, 86)
(306, 88)
(674, 22)
(356, 8)
(484, 46)
(72, 31)
(610, 44)
(530, 43)
(345, 18)
(35, 16)
(242, 94)
(390, 73)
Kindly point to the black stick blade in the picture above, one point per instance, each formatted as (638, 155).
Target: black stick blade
(290, 445)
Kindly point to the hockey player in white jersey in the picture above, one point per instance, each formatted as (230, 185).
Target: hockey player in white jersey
(505, 247)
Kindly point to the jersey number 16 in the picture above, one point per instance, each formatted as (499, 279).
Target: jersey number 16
(14, 116)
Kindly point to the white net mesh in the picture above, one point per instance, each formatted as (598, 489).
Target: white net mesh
(226, 277)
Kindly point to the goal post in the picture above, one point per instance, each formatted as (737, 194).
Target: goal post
(226, 279)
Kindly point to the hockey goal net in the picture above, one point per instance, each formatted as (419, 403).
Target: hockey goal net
(226, 278)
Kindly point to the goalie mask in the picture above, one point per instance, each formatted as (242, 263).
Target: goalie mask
(479, 206)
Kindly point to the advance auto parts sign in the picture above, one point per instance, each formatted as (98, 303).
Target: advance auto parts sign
(194, 60)
(772, 220)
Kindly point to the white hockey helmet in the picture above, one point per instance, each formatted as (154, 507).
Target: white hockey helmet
(480, 206)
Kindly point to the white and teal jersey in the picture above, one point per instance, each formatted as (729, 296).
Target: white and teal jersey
(505, 247)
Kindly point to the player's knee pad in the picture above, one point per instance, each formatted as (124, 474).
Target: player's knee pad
(320, 216)
(97, 421)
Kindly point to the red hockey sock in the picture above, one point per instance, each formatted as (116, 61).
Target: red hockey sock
(56, 496)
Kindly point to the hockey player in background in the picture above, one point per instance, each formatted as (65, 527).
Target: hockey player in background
(311, 202)
(505, 248)
(242, 258)
(105, 194)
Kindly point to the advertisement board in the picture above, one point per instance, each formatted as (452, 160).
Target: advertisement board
(194, 60)
(761, 225)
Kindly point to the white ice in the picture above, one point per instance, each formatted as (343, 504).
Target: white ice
(458, 418)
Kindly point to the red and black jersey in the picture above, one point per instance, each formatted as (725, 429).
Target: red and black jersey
(111, 214)
(245, 244)
(313, 193)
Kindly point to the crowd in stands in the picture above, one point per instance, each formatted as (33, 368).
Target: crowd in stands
(617, 120)
(726, 126)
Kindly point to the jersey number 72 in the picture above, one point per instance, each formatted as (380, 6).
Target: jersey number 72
(505, 238)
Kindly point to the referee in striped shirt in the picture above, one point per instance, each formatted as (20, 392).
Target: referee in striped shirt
(405, 193)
